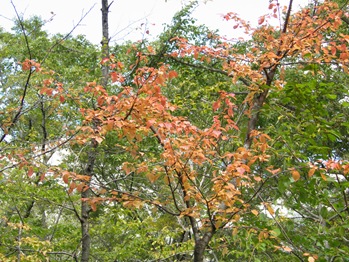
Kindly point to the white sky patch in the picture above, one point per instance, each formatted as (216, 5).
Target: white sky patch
(131, 14)
(57, 157)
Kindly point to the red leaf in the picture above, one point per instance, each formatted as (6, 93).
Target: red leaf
(30, 171)
(216, 133)
(66, 177)
(93, 206)
(104, 60)
(42, 177)
(216, 105)
(261, 20)
(172, 74)
(116, 77)
(61, 98)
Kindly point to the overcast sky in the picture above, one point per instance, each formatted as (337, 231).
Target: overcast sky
(130, 14)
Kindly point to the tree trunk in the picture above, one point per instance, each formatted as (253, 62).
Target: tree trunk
(85, 238)
(92, 154)
(200, 246)
(105, 41)
(85, 208)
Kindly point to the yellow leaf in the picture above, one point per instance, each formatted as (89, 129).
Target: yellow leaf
(261, 236)
(255, 212)
(311, 259)
(152, 178)
(270, 209)
(235, 231)
(167, 180)
(311, 172)
(103, 191)
(287, 249)
(324, 177)
(99, 139)
(275, 171)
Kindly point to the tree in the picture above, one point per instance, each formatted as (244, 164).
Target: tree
(35, 117)
(237, 147)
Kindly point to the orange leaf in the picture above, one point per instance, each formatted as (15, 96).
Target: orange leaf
(26, 65)
(261, 20)
(311, 172)
(216, 133)
(103, 191)
(275, 171)
(65, 178)
(172, 74)
(104, 60)
(71, 187)
(42, 177)
(150, 49)
(323, 177)
(80, 186)
(344, 56)
(99, 139)
(295, 174)
(287, 249)
(216, 105)
(235, 231)
(114, 77)
(152, 178)
(93, 206)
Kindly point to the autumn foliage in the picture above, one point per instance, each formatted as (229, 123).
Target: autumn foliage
(215, 177)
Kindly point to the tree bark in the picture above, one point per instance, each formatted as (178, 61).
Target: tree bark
(105, 41)
(85, 238)
(85, 209)
(200, 246)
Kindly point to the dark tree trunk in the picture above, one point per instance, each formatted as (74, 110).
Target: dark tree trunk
(201, 245)
(85, 235)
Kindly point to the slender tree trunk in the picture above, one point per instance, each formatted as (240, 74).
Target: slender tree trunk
(105, 40)
(85, 208)
(85, 235)
(92, 154)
